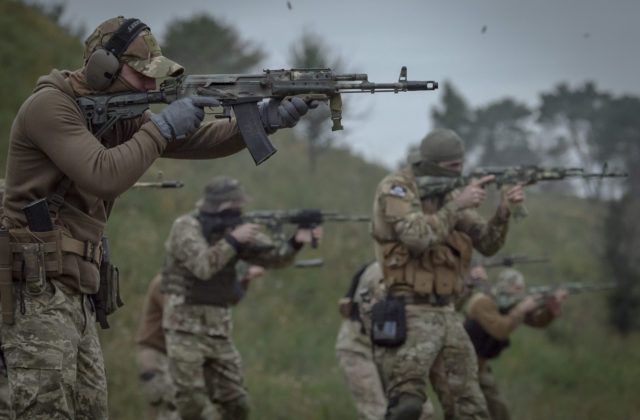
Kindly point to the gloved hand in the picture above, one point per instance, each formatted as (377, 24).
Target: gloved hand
(182, 117)
(283, 114)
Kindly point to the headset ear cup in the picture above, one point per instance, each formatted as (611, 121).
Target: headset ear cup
(101, 69)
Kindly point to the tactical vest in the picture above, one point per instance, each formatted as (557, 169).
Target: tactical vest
(436, 271)
(221, 289)
(486, 346)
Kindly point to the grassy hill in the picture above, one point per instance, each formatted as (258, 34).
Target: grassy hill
(286, 327)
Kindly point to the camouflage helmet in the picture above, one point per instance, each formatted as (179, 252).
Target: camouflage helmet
(221, 189)
(440, 145)
(143, 54)
(507, 279)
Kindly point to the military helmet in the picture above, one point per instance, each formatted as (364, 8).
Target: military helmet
(219, 190)
(142, 52)
(508, 278)
(440, 145)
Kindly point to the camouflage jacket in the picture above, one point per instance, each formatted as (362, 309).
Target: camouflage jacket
(400, 217)
(190, 257)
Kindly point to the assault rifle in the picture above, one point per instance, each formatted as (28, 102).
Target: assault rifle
(159, 184)
(305, 219)
(509, 260)
(506, 302)
(429, 186)
(242, 92)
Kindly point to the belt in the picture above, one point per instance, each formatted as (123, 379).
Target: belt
(431, 299)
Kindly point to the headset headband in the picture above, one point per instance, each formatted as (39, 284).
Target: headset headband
(124, 36)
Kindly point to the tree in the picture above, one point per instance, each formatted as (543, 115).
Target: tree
(310, 51)
(204, 44)
(568, 115)
(493, 135)
(622, 253)
(499, 130)
(453, 113)
(614, 138)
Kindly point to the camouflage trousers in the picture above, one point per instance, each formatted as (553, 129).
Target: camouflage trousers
(498, 408)
(54, 361)
(355, 357)
(153, 368)
(206, 369)
(433, 333)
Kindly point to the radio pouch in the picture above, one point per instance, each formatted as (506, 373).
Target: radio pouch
(389, 322)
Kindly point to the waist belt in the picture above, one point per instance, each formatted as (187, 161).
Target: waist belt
(431, 299)
(88, 250)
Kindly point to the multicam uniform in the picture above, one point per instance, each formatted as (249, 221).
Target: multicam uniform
(424, 249)
(200, 286)
(354, 349)
(489, 328)
(54, 359)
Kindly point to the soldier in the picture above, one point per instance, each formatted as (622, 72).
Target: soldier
(354, 349)
(151, 354)
(489, 326)
(424, 249)
(199, 285)
(50, 343)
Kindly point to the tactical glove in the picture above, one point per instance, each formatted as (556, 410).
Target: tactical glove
(283, 114)
(182, 117)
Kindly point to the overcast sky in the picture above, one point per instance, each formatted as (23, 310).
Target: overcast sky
(527, 47)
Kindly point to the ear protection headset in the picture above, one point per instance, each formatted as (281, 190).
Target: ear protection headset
(103, 65)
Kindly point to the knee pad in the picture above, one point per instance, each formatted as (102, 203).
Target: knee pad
(237, 409)
(404, 407)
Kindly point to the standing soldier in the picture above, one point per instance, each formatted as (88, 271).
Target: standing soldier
(354, 349)
(151, 354)
(200, 286)
(424, 248)
(66, 179)
(489, 326)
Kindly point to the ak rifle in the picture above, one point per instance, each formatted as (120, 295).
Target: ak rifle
(241, 93)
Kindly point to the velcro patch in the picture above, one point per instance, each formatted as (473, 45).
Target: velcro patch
(398, 191)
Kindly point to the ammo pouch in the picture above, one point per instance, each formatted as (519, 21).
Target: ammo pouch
(24, 245)
(389, 322)
(437, 270)
(107, 300)
(222, 290)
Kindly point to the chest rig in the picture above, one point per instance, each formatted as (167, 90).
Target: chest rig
(433, 275)
(221, 289)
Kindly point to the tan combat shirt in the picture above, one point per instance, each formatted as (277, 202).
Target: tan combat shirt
(485, 311)
(49, 140)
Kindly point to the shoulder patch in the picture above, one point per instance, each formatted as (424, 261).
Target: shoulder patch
(398, 191)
